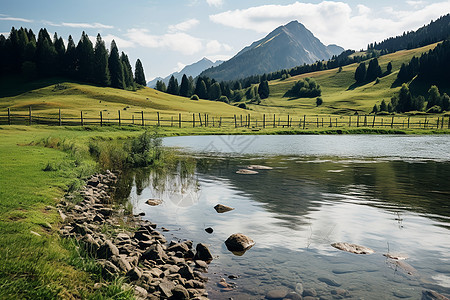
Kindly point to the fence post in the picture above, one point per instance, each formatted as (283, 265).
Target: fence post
(317, 122)
(159, 124)
(29, 115)
(304, 121)
(357, 121)
(437, 127)
(408, 121)
(241, 121)
(365, 120)
(220, 122)
(331, 124)
(171, 121)
(248, 124)
(200, 118)
(81, 119)
(349, 121)
(101, 118)
(213, 123)
(264, 120)
(9, 116)
(193, 120)
(179, 120)
(60, 119)
(120, 122)
(142, 117)
(132, 119)
(288, 121)
(274, 124)
(235, 121)
(373, 122)
(392, 122)
(448, 122)
(206, 121)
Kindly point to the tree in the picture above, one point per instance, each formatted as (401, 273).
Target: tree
(383, 106)
(434, 97)
(389, 68)
(200, 89)
(101, 70)
(360, 73)
(185, 90)
(263, 89)
(139, 76)
(319, 101)
(60, 49)
(127, 72)
(115, 67)
(161, 86)
(85, 55)
(215, 91)
(373, 71)
(404, 99)
(45, 54)
(70, 58)
(172, 87)
(375, 109)
(445, 102)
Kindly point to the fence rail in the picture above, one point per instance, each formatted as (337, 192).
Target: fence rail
(236, 121)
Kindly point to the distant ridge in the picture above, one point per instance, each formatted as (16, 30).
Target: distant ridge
(285, 47)
(190, 70)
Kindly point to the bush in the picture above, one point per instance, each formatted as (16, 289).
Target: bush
(145, 150)
(307, 88)
(194, 97)
(242, 105)
(319, 101)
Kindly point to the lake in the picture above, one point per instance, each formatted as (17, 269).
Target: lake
(388, 193)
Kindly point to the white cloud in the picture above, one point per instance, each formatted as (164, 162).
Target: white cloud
(87, 25)
(121, 43)
(184, 26)
(179, 42)
(216, 3)
(6, 18)
(415, 4)
(334, 22)
(215, 46)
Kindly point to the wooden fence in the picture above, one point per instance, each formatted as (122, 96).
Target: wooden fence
(254, 122)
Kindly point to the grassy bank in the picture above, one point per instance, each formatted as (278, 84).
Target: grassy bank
(38, 165)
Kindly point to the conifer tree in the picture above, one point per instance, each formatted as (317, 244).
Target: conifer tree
(161, 86)
(201, 90)
(360, 73)
(45, 54)
(373, 71)
(215, 92)
(139, 76)
(101, 70)
(127, 72)
(85, 55)
(184, 87)
(70, 58)
(172, 87)
(389, 68)
(263, 89)
(60, 49)
(115, 67)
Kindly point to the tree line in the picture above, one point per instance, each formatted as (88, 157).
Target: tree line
(434, 32)
(33, 58)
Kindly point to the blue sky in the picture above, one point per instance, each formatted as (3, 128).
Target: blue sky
(166, 35)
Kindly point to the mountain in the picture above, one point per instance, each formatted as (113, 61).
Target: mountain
(191, 70)
(286, 47)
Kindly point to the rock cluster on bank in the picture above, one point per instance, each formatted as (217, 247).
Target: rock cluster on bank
(156, 269)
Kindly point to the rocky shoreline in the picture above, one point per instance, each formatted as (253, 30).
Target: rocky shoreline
(131, 247)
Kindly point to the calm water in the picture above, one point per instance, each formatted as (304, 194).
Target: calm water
(389, 193)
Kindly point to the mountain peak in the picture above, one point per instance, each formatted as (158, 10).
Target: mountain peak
(285, 47)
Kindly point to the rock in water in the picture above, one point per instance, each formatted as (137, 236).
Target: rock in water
(246, 172)
(203, 253)
(352, 248)
(259, 167)
(209, 230)
(154, 202)
(239, 243)
(432, 295)
(396, 256)
(276, 294)
(220, 208)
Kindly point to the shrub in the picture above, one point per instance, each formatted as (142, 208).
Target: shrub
(194, 97)
(319, 101)
(242, 105)
(145, 150)
(307, 88)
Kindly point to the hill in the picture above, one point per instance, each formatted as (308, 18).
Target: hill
(190, 70)
(285, 47)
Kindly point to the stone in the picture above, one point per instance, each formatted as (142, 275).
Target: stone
(293, 296)
(201, 264)
(186, 272)
(122, 263)
(277, 294)
(299, 288)
(259, 167)
(155, 252)
(352, 248)
(107, 250)
(309, 292)
(166, 288)
(329, 281)
(220, 208)
(154, 202)
(246, 172)
(109, 267)
(182, 247)
(179, 292)
(203, 253)
(239, 242)
(432, 295)
(106, 211)
(140, 293)
(401, 294)
(209, 230)
(194, 284)
(134, 274)
(396, 256)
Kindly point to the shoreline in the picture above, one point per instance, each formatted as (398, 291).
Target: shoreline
(127, 246)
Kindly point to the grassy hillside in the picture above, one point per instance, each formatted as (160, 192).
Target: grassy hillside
(339, 92)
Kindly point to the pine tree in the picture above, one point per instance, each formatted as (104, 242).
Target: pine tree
(360, 73)
(383, 106)
(200, 89)
(375, 109)
(101, 70)
(139, 75)
(115, 67)
(127, 72)
(373, 71)
(184, 87)
(389, 68)
(45, 54)
(215, 91)
(85, 55)
(70, 59)
(60, 49)
(263, 89)
(161, 86)
(172, 87)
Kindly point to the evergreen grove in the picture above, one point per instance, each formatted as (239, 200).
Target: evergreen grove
(24, 55)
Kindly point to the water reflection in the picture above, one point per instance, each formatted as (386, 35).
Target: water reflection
(294, 211)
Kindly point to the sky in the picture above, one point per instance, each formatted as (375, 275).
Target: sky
(169, 34)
